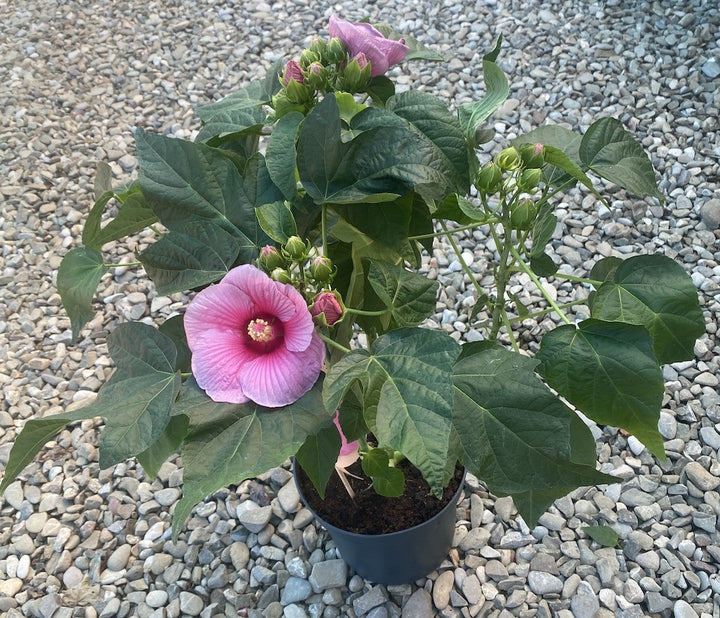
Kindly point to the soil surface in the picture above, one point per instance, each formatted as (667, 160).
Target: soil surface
(370, 513)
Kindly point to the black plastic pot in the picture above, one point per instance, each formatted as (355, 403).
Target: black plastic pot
(398, 557)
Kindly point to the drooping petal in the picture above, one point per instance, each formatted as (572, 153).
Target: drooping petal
(282, 377)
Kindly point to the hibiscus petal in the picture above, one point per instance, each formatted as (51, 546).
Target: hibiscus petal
(282, 377)
(298, 330)
(218, 307)
(267, 296)
(218, 359)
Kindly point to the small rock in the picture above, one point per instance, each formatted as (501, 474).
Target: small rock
(190, 603)
(683, 609)
(119, 558)
(585, 603)
(711, 68)
(156, 598)
(10, 587)
(239, 555)
(544, 583)
(256, 519)
(295, 591)
(700, 477)
(328, 574)
(419, 605)
(441, 589)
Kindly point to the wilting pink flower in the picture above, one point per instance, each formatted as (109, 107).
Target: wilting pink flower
(292, 71)
(363, 38)
(348, 452)
(252, 339)
(327, 303)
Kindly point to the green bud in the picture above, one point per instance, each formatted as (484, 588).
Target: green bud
(308, 57)
(281, 275)
(298, 93)
(508, 159)
(316, 77)
(532, 155)
(321, 269)
(270, 259)
(319, 47)
(356, 74)
(282, 105)
(529, 179)
(336, 52)
(523, 215)
(296, 248)
(489, 179)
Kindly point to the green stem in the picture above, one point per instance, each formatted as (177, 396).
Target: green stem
(332, 343)
(542, 312)
(323, 228)
(458, 253)
(593, 282)
(119, 265)
(157, 231)
(462, 228)
(540, 286)
(352, 311)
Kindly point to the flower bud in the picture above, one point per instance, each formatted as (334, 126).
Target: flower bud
(308, 57)
(270, 259)
(532, 155)
(508, 159)
(321, 269)
(356, 74)
(298, 92)
(296, 248)
(336, 52)
(523, 215)
(282, 105)
(529, 179)
(281, 275)
(327, 308)
(316, 76)
(489, 179)
(292, 71)
(319, 47)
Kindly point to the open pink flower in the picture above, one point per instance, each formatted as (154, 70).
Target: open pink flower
(252, 339)
(363, 38)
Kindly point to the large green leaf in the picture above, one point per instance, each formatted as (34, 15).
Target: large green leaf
(515, 434)
(378, 165)
(497, 89)
(407, 394)
(611, 152)
(409, 296)
(656, 292)
(318, 456)
(231, 124)
(186, 181)
(227, 443)
(196, 254)
(433, 119)
(78, 276)
(461, 210)
(136, 401)
(276, 221)
(280, 153)
(609, 371)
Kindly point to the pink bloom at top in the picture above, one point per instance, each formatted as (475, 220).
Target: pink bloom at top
(363, 38)
(252, 339)
(292, 71)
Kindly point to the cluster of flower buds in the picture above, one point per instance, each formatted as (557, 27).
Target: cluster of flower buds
(300, 264)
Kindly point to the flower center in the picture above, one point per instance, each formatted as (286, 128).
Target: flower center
(260, 330)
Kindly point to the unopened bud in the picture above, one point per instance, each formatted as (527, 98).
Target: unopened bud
(356, 74)
(532, 155)
(281, 275)
(292, 71)
(523, 215)
(316, 76)
(327, 308)
(489, 179)
(336, 52)
(529, 179)
(296, 248)
(321, 269)
(308, 57)
(282, 105)
(508, 159)
(270, 259)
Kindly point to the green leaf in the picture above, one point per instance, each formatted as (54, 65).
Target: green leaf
(379, 165)
(387, 480)
(78, 276)
(609, 371)
(461, 210)
(433, 119)
(136, 401)
(231, 124)
(559, 159)
(182, 260)
(185, 182)
(542, 231)
(558, 137)
(133, 216)
(227, 443)
(380, 88)
(611, 152)
(152, 458)
(543, 265)
(318, 456)
(277, 221)
(280, 153)
(604, 535)
(515, 434)
(655, 292)
(497, 89)
(407, 394)
(34, 435)
(103, 180)
(409, 296)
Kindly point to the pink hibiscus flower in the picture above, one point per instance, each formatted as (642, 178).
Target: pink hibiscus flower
(252, 339)
(363, 38)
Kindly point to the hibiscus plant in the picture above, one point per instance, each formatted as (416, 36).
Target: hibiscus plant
(296, 222)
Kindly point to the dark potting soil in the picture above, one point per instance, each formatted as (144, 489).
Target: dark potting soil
(370, 513)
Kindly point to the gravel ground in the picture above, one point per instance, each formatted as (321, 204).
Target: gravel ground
(75, 540)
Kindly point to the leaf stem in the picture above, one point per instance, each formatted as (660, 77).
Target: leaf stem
(125, 264)
(366, 312)
(332, 343)
(458, 253)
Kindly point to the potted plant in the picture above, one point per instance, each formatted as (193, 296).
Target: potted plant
(298, 223)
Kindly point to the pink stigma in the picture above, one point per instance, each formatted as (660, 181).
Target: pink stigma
(260, 330)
